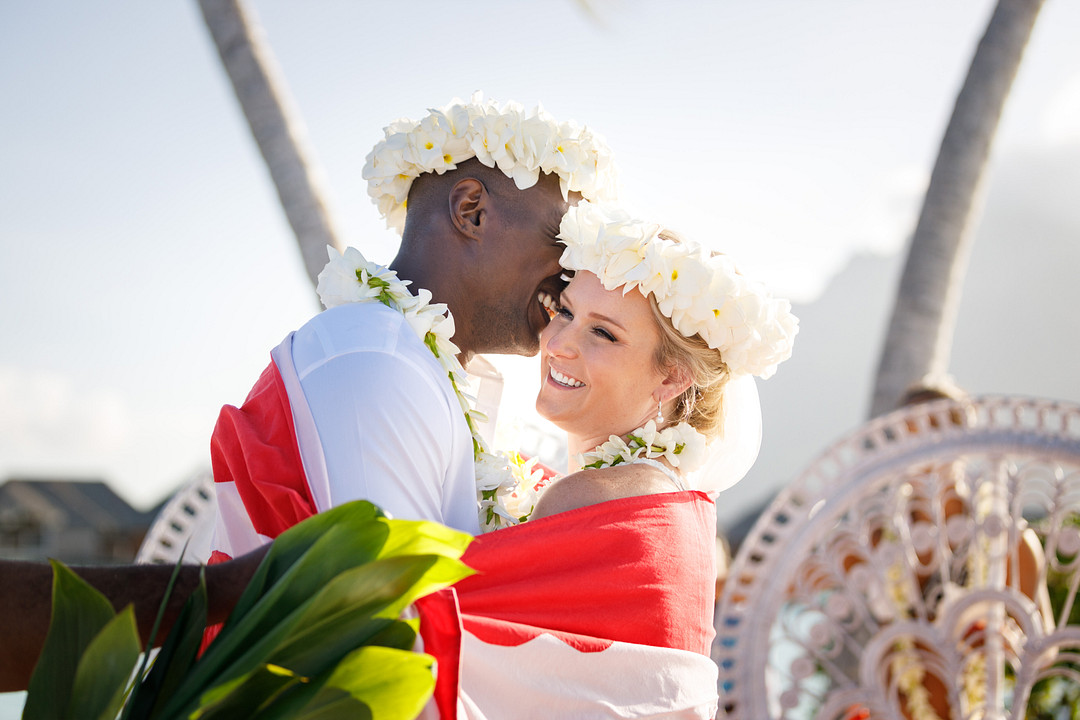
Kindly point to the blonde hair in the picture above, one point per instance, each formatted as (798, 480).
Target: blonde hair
(702, 404)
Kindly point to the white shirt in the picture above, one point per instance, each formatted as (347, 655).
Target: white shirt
(391, 428)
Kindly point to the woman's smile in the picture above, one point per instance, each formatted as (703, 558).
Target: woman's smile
(563, 379)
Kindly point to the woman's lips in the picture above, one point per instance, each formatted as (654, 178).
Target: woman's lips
(563, 379)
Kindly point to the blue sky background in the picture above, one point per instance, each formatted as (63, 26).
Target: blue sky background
(146, 268)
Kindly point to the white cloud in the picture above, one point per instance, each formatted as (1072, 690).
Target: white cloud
(49, 418)
(142, 444)
(1061, 119)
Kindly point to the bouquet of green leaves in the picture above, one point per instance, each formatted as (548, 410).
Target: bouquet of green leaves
(318, 633)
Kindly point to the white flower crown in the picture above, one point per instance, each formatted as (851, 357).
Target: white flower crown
(520, 144)
(703, 294)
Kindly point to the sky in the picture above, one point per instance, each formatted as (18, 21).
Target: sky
(146, 268)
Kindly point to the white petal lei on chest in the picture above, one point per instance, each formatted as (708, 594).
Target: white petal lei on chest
(706, 466)
(351, 278)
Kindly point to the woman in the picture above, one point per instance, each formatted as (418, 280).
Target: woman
(601, 604)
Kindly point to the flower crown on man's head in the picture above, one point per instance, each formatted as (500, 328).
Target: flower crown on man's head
(520, 144)
(702, 293)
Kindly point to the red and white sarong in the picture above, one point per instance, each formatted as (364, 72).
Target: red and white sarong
(604, 611)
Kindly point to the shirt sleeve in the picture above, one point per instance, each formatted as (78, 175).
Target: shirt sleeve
(385, 430)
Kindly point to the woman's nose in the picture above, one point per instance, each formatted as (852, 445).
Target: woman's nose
(558, 340)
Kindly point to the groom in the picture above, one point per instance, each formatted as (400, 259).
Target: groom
(354, 404)
(484, 205)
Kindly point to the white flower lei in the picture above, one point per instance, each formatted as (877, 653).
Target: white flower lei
(703, 294)
(505, 485)
(520, 144)
(680, 445)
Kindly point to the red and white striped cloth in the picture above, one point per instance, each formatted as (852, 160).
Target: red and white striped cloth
(269, 472)
(600, 612)
(604, 611)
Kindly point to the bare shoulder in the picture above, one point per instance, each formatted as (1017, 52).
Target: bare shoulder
(592, 486)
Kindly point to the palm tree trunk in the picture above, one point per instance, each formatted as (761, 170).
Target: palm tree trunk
(919, 338)
(280, 135)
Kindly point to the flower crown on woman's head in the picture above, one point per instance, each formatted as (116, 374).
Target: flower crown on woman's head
(520, 144)
(703, 294)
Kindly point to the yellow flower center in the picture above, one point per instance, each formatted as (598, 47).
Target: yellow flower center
(446, 158)
(428, 145)
(674, 274)
(716, 312)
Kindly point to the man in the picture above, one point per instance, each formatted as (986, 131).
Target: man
(354, 404)
(480, 236)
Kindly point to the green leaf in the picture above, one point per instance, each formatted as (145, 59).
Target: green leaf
(335, 624)
(103, 673)
(302, 560)
(339, 618)
(394, 684)
(288, 703)
(79, 612)
(443, 573)
(152, 641)
(350, 535)
(417, 537)
(333, 704)
(372, 682)
(401, 634)
(293, 544)
(174, 660)
(165, 600)
(320, 594)
(228, 658)
(242, 697)
(338, 548)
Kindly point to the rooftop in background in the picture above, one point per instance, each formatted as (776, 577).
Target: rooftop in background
(75, 521)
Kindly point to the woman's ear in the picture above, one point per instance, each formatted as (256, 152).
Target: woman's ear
(677, 381)
(468, 206)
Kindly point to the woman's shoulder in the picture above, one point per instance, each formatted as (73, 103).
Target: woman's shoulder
(596, 485)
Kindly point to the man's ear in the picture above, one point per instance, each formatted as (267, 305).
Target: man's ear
(469, 201)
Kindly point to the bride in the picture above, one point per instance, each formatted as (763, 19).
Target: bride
(601, 604)
(648, 384)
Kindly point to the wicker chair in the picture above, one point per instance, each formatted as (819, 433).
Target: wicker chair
(926, 566)
(184, 526)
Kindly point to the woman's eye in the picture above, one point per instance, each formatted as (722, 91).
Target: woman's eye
(564, 313)
(605, 334)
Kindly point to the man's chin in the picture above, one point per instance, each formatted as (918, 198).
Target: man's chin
(527, 343)
(527, 346)
(526, 349)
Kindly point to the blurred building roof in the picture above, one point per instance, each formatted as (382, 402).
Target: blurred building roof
(69, 504)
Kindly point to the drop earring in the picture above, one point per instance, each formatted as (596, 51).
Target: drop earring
(659, 411)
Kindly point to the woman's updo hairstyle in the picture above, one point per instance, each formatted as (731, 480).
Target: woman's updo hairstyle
(702, 404)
